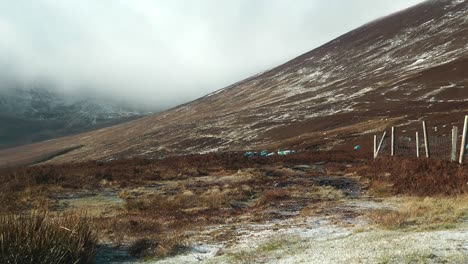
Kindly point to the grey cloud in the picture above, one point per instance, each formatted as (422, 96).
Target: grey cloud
(166, 52)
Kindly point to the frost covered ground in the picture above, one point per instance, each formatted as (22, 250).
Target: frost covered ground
(324, 240)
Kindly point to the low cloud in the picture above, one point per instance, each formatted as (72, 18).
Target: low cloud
(163, 53)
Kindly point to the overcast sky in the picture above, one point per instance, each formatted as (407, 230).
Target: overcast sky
(166, 52)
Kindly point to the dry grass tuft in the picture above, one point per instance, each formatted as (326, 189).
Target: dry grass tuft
(40, 238)
(328, 193)
(325, 197)
(273, 196)
(423, 213)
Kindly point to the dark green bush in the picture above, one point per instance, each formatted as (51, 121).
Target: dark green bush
(39, 238)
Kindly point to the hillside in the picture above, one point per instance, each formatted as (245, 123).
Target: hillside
(400, 69)
(33, 114)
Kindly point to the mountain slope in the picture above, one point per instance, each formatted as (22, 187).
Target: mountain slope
(35, 114)
(398, 69)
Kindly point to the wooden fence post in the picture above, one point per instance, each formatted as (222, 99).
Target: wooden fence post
(426, 142)
(380, 144)
(463, 141)
(417, 144)
(375, 146)
(454, 144)
(393, 142)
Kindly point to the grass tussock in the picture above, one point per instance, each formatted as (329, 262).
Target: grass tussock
(152, 236)
(40, 238)
(188, 202)
(163, 219)
(169, 245)
(423, 213)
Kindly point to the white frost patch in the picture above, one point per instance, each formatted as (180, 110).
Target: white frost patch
(361, 92)
(427, 23)
(329, 112)
(254, 235)
(215, 93)
(436, 91)
(419, 61)
(212, 150)
(197, 254)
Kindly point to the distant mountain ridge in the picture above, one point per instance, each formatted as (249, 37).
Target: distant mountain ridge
(36, 114)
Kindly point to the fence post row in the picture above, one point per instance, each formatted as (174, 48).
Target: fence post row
(426, 142)
(453, 152)
(463, 141)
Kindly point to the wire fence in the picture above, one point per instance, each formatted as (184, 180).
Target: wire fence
(440, 147)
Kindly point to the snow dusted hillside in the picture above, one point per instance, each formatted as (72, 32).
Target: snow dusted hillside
(29, 115)
(397, 70)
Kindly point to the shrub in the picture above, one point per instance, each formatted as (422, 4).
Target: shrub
(420, 177)
(40, 238)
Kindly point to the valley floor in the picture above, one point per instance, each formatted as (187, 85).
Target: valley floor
(307, 208)
(317, 240)
(344, 236)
